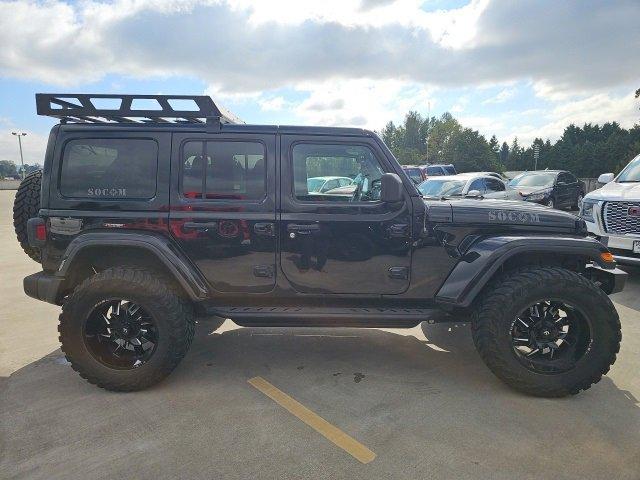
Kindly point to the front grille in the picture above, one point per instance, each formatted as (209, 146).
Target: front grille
(617, 219)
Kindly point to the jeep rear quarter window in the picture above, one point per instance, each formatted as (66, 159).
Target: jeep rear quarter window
(232, 170)
(358, 162)
(109, 168)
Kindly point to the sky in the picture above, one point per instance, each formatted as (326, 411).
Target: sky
(524, 68)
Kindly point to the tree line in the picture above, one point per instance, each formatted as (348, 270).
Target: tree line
(586, 151)
(9, 168)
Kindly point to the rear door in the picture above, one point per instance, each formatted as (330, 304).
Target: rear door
(223, 208)
(347, 243)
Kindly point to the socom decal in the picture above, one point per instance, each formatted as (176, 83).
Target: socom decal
(107, 192)
(513, 216)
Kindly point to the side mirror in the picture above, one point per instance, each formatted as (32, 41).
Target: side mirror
(606, 178)
(391, 188)
(473, 193)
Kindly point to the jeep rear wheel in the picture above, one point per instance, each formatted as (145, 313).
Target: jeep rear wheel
(125, 329)
(25, 206)
(546, 331)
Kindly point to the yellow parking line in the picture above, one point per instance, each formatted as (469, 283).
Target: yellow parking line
(319, 424)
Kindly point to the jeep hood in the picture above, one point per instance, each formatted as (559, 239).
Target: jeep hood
(509, 212)
(629, 192)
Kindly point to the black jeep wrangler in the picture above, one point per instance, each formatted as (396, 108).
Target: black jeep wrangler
(154, 210)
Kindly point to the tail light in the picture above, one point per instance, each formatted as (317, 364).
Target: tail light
(41, 232)
(36, 232)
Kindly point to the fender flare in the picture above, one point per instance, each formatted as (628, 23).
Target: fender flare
(484, 257)
(161, 247)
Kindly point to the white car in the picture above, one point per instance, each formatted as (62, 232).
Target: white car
(612, 213)
(324, 184)
(468, 185)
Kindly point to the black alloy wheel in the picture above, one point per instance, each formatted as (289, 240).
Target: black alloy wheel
(120, 334)
(550, 337)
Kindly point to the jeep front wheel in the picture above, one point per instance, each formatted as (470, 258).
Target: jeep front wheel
(125, 329)
(548, 331)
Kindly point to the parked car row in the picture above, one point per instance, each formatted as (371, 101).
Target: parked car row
(612, 213)
(553, 188)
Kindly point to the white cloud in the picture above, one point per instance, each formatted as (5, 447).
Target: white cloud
(598, 108)
(252, 45)
(360, 103)
(501, 97)
(273, 103)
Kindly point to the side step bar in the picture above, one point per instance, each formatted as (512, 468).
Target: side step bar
(331, 317)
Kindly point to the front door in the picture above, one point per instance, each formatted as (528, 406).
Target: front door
(343, 240)
(223, 208)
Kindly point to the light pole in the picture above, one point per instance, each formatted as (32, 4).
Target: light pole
(428, 125)
(20, 135)
(536, 155)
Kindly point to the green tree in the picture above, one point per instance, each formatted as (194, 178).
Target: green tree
(7, 167)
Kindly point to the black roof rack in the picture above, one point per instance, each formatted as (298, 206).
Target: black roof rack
(82, 108)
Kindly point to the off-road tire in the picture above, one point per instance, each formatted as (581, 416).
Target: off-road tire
(172, 313)
(505, 298)
(25, 206)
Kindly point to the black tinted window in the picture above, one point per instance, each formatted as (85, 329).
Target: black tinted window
(223, 170)
(109, 168)
(494, 185)
(434, 171)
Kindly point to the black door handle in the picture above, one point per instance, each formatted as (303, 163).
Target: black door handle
(201, 225)
(303, 229)
(264, 228)
(399, 230)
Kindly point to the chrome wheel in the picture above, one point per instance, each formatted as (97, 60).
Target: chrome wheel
(550, 337)
(120, 334)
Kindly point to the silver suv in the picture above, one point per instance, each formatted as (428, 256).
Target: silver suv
(612, 213)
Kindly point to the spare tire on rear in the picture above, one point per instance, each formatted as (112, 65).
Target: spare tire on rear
(25, 206)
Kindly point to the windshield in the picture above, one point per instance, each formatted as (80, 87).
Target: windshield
(533, 180)
(315, 184)
(441, 188)
(631, 173)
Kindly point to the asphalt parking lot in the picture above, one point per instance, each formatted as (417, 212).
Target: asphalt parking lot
(421, 400)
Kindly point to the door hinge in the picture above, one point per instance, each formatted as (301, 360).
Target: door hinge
(399, 273)
(263, 271)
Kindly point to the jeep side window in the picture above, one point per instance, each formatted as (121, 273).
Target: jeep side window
(314, 161)
(223, 170)
(109, 168)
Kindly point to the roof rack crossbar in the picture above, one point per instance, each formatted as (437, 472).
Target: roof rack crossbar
(80, 108)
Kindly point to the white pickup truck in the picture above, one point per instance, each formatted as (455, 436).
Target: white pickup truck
(612, 213)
